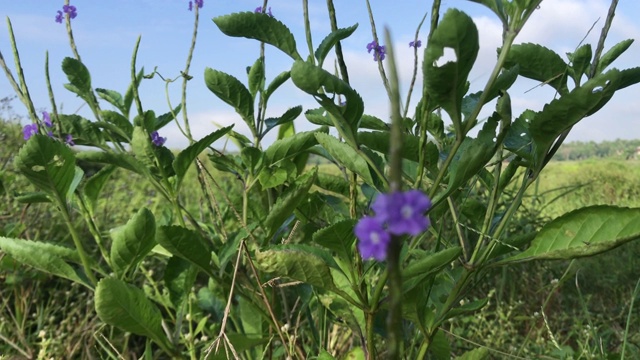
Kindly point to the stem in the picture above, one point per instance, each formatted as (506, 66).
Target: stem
(77, 242)
(307, 30)
(72, 42)
(339, 56)
(394, 320)
(24, 90)
(375, 38)
(186, 77)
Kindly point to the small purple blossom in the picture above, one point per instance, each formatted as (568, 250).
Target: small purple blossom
(156, 139)
(415, 44)
(29, 130)
(403, 212)
(268, 12)
(69, 10)
(199, 4)
(46, 119)
(378, 50)
(68, 139)
(373, 239)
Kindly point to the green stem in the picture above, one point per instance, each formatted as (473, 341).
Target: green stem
(72, 42)
(84, 259)
(186, 77)
(93, 229)
(24, 90)
(383, 75)
(339, 56)
(307, 30)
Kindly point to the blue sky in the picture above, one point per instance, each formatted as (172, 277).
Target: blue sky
(106, 33)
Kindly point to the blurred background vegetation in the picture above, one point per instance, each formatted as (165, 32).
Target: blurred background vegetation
(551, 310)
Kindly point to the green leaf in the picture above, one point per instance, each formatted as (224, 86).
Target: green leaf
(179, 277)
(331, 40)
(473, 155)
(481, 353)
(261, 27)
(128, 96)
(287, 203)
(121, 160)
(333, 184)
(440, 347)
(166, 118)
(128, 308)
(277, 175)
(431, 263)
(321, 84)
(584, 232)
(186, 244)
(78, 76)
(112, 97)
(518, 139)
(133, 241)
(52, 259)
(290, 146)
(539, 63)
(275, 84)
(288, 116)
(84, 131)
(612, 54)
(95, 184)
(566, 111)
(256, 77)
(186, 157)
(338, 237)
(373, 123)
(580, 62)
(347, 156)
(233, 92)
(296, 264)
(379, 141)
(49, 165)
(447, 84)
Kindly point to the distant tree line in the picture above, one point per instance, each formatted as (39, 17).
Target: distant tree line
(616, 149)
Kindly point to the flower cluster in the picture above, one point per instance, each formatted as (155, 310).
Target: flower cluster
(398, 213)
(378, 50)
(199, 4)
(415, 44)
(268, 12)
(70, 10)
(31, 129)
(156, 139)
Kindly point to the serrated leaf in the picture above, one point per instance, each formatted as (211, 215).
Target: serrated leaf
(277, 175)
(612, 54)
(128, 308)
(84, 131)
(331, 40)
(332, 183)
(347, 156)
(52, 259)
(49, 165)
(584, 232)
(78, 76)
(338, 237)
(166, 118)
(580, 62)
(373, 123)
(261, 27)
(473, 155)
(518, 139)
(122, 160)
(231, 91)
(564, 112)
(539, 63)
(287, 203)
(289, 116)
(186, 244)
(133, 241)
(297, 265)
(447, 84)
(186, 157)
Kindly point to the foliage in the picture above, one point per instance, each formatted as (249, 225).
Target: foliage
(274, 247)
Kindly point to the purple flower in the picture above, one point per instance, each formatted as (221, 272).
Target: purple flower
(156, 139)
(199, 4)
(373, 240)
(46, 119)
(29, 130)
(190, 5)
(378, 51)
(259, 10)
(68, 139)
(415, 44)
(403, 212)
(70, 10)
